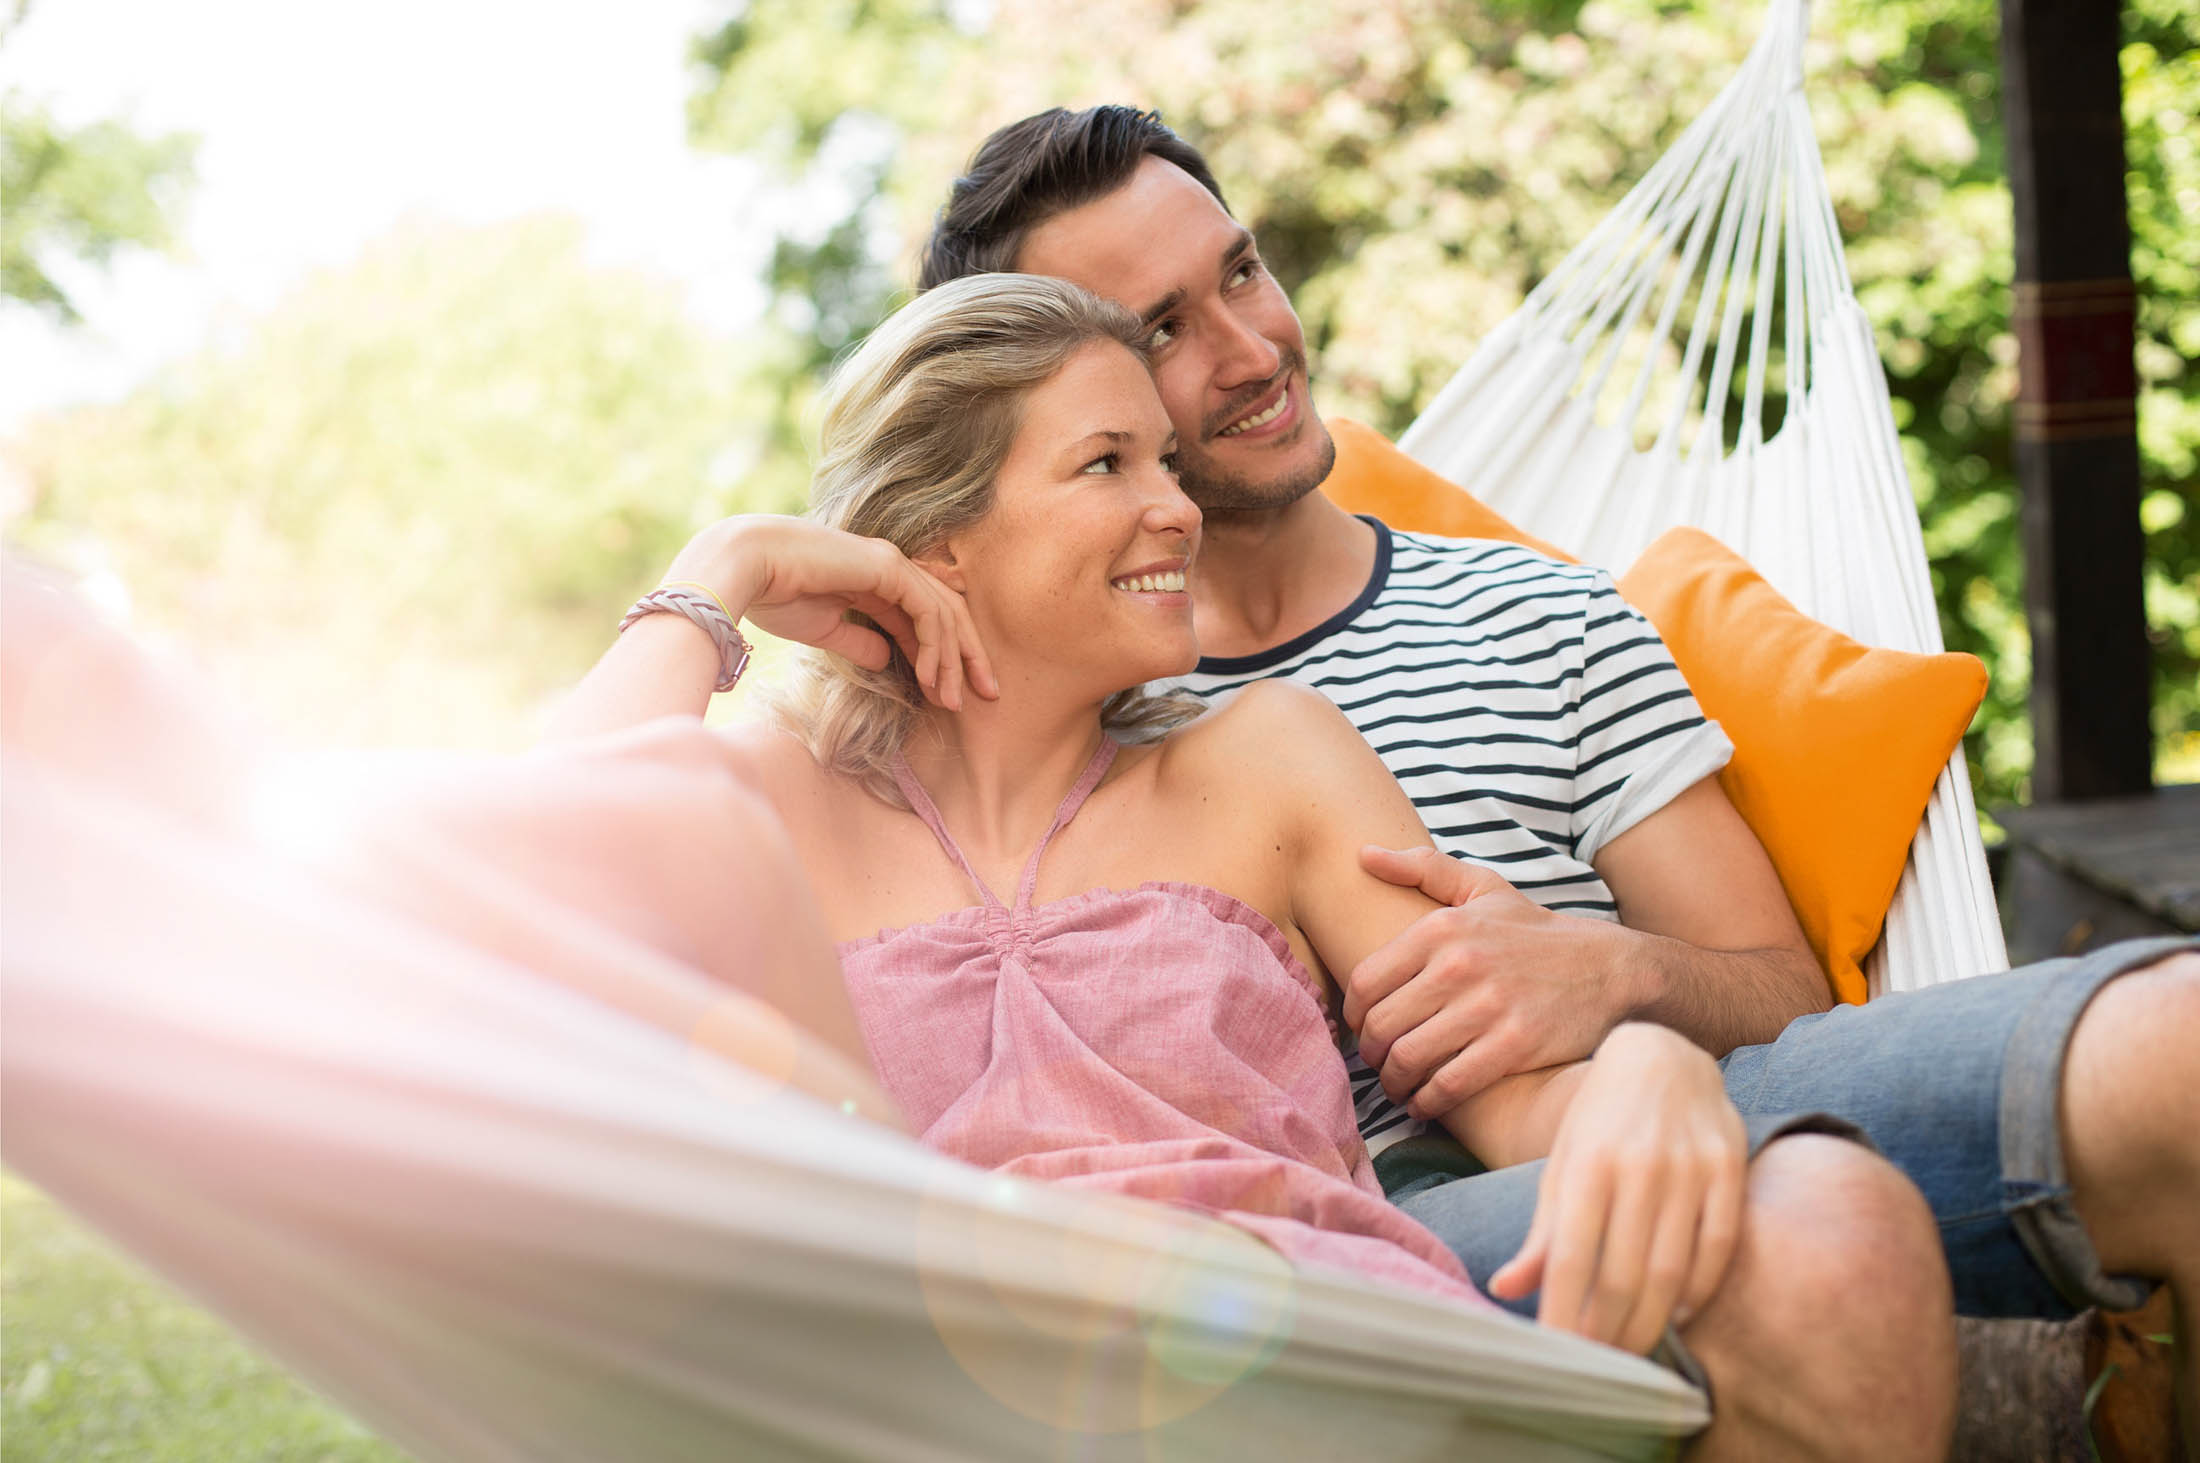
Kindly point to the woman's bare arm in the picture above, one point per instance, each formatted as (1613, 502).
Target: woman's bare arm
(1640, 1203)
(1328, 795)
(794, 579)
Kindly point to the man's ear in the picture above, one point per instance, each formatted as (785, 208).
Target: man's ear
(942, 563)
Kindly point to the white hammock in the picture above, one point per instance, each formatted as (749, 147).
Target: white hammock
(501, 1219)
(1547, 424)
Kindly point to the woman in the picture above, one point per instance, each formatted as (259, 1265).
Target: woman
(1142, 1005)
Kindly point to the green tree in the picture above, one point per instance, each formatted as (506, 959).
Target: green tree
(401, 508)
(1414, 168)
(81, 193)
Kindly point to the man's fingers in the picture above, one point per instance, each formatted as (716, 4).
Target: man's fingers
(1406, 867)
(1485, 1059)
(1387, 1025)
(1445, 880)
(1377, 977)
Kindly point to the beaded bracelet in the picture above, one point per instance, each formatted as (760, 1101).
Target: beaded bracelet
(709, 614)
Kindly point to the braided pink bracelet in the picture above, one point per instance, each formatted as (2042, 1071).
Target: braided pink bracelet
(733, 650)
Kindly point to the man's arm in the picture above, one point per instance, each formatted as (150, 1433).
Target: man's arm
(1722, 959)
(1495, 984)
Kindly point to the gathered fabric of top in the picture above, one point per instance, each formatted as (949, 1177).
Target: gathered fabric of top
(1162, 1042)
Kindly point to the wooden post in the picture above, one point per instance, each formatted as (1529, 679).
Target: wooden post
(2077, 450)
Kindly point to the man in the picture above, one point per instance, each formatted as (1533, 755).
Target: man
(2048, 1115)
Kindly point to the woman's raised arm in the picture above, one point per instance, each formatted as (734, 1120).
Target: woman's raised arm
(794, 579)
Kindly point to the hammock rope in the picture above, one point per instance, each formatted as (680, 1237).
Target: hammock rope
(1604, 412)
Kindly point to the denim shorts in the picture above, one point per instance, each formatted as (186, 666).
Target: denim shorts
(1958, 1084)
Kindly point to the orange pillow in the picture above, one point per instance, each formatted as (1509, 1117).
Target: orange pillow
(1373, 476)
(1836, 743)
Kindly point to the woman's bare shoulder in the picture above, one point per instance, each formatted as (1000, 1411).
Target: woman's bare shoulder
(778, 764)
(1271, 720)
(766, 748)
(1268, 730)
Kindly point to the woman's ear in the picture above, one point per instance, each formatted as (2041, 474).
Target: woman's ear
(942, 563)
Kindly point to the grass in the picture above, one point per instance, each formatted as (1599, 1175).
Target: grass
(100, 1360)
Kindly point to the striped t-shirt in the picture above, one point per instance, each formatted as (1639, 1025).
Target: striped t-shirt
(1528, 711)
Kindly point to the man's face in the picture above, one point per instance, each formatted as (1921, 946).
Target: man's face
(1229, 358)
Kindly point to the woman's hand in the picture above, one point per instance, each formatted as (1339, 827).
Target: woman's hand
(797, 580)
(1641, 1199)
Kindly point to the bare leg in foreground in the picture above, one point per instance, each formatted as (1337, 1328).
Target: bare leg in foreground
(1833, 1335)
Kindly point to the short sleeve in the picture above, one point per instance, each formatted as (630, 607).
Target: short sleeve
(1643, 739)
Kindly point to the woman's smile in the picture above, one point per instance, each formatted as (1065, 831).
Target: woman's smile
(1163, 583)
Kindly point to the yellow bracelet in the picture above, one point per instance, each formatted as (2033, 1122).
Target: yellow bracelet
(714, 599)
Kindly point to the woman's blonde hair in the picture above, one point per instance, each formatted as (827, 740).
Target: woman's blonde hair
(917, 424)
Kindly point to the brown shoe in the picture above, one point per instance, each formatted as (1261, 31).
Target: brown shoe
(2131, 1385)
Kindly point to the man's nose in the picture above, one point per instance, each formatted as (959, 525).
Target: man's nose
(1245, 356)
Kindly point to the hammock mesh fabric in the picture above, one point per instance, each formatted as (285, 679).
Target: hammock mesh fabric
(1631, 394)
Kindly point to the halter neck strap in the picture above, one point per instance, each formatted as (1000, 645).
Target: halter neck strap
(920, 802)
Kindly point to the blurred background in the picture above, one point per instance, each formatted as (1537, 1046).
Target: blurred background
(374, 358)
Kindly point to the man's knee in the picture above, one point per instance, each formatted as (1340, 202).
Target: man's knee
(1842, 1225)
(2129, 1112)
(1837, 1318)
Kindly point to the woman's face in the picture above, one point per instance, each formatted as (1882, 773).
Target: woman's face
(1078, 574)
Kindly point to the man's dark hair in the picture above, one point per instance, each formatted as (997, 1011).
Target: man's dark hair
(1029, 171)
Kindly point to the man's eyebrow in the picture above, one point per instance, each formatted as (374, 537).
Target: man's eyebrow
(1170, 301)
(1163, 306)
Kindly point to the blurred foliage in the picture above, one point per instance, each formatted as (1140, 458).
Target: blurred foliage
(80, 194)
(1413, 167)
(438, 474)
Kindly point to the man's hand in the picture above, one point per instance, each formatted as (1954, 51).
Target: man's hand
(1493, 985)
(1641, 1201)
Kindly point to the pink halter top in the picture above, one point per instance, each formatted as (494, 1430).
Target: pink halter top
(1162, 1042)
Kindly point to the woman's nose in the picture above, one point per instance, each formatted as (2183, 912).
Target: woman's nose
(1169, 510)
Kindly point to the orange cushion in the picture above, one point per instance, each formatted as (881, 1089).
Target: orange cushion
(1836, 743)
(1373, 476)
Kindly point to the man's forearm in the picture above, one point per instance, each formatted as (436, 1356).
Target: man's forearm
(1722, 999)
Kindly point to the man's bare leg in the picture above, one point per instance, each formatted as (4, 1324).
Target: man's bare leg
(1833, 1335)
(2131, 1142)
